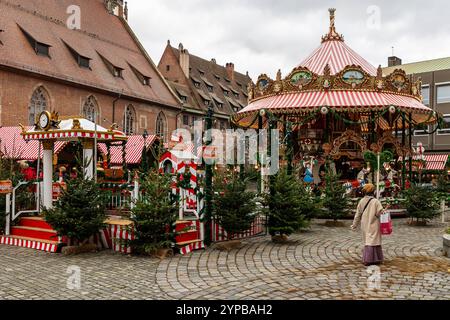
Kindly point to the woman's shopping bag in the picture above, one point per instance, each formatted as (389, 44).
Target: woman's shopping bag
(386, 223)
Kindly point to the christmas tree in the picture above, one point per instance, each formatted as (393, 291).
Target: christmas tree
(234, 207)
(334, 198)
(288, 205)
(422, 203)
(154, 214)
(80, 211)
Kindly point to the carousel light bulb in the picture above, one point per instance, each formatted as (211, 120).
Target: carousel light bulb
(324, 110)
(392, 109)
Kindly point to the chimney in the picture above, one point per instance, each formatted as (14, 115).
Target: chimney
(125, 11)
(230, 70)
(116, 7)
(394, 61)
(184, 60)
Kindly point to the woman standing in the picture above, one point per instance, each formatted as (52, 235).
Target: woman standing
(368, 213)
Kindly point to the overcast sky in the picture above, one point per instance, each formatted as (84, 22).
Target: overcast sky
(261, 36)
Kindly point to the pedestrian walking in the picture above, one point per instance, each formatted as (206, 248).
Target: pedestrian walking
(368, 215)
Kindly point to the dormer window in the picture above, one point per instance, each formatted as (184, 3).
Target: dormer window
(82, 61)
(196, 82)
(145, 80)
(201, 72)
(225, 92)
(117, 72)
(227, 80)
(208, 84)
(217, 77)
(236, 95)
(40, 48)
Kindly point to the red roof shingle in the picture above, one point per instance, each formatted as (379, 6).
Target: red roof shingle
(101, 32)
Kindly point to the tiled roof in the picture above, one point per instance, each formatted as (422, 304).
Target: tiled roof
(185, 91)
(211, 72)
(421, 66)
(101, 34)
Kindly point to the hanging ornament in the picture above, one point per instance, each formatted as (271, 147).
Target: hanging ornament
(262, 113)
(324, 110)
(392, 109)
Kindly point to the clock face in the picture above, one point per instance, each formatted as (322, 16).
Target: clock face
(44, 120)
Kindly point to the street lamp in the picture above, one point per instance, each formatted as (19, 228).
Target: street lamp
(144, 152)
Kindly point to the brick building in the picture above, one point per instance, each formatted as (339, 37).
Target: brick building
(435, 75)
(80, 57)
(199, 82)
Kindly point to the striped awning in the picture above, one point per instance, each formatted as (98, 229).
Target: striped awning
(74, 129)
(433, 161)
(336, 99)
(13, 145)
(436, 161)
(339, 100)
(133, 149)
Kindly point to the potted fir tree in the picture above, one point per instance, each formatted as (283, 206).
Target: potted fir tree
(422, 204)
(289, 206)
(78, 214)
(335, 201)
(234, 208)
(154, 216)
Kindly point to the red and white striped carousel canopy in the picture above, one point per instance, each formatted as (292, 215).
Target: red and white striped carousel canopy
(336, 77)
(337, 55)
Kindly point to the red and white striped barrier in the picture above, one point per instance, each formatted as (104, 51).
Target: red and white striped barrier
(115, 234)
(191, 247)
(219, 234)
(42, 246)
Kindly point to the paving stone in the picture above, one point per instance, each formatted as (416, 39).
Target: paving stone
(323, 263)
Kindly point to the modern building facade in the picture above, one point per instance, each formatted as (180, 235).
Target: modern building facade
(435, 75)
(80, 57)
(199, 82)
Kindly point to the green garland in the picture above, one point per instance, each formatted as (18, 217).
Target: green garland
(273, 117)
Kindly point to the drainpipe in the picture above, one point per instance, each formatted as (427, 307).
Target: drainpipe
(114, 107)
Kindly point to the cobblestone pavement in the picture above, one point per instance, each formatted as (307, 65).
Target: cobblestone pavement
(321, 263)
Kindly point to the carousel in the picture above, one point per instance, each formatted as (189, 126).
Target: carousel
(336, 108)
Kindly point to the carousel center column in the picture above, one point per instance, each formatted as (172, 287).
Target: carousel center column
(47, 163)
(88, 159)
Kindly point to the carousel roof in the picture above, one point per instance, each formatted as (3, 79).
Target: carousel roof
(336, 77)
(337, 55)
(71, 129)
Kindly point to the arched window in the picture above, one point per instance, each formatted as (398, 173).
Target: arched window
(90, 109)
(129, 120)
(161, 126)
(38, 103)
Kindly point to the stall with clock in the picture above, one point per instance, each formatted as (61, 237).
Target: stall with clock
(50, 128)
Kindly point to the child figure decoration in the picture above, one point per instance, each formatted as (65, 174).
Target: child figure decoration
(308, 174)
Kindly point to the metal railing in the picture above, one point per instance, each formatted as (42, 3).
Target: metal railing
(11, 214)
